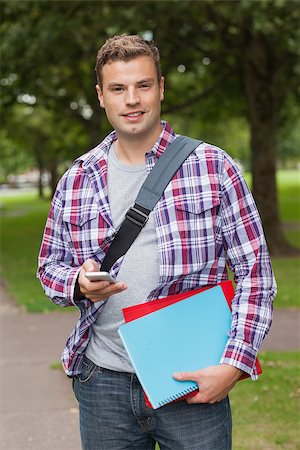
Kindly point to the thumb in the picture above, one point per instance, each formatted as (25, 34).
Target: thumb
(90, 266)
(183, 376)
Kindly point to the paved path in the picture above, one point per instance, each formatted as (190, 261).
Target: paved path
(38, 410)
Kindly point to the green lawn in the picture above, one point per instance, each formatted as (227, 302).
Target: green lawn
(265, 413)
(289, 186)
(23, 218)
(288, 182)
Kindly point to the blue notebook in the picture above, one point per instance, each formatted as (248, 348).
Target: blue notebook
(185, 336)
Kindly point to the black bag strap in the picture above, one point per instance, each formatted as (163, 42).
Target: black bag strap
(149, 194)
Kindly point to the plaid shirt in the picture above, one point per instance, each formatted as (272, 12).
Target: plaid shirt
(206, 218)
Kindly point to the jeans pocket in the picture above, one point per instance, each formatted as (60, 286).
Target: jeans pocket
(88, 369)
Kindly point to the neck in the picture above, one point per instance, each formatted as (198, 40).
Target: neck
(132, 151)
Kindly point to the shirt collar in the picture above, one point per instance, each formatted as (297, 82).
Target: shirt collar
(165, 138)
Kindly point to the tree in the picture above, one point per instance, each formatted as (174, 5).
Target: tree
(14, 158)
(235, 62)
(253, 56)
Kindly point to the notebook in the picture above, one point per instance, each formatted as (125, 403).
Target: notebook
(184, 336)
(134, 312)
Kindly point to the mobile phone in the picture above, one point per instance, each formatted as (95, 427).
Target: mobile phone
(99, 276)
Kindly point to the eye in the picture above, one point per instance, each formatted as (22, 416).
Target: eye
(117, 89)
(145, 85)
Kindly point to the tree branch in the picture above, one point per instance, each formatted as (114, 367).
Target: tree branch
(199, 96)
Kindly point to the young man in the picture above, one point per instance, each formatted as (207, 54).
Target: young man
(205, 219)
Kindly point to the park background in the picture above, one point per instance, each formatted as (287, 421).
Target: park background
(232, 74)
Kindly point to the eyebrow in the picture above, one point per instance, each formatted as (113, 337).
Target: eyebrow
(144, 80)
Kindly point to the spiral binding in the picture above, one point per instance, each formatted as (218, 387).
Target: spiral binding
(172, 398)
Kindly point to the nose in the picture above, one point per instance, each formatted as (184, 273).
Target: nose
(132, 96)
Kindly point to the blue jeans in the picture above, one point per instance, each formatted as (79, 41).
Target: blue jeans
(113, 416)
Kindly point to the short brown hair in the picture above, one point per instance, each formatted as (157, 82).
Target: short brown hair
(124, 48)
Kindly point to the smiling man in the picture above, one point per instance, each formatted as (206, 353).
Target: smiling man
(205, 220)
(131, 92)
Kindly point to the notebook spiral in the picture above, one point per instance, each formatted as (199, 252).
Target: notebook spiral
(177, 396)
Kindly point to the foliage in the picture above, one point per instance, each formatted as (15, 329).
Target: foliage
(49, 50)
(37, 139)
(228, 70)
(14, 157)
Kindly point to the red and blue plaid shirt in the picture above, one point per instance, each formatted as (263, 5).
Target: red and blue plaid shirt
(205, 219)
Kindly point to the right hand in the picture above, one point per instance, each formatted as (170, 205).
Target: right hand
(96, 290)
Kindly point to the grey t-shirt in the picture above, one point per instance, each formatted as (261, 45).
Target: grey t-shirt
(139, 269)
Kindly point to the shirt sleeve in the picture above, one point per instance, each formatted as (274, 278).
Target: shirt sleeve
(248, 258)
(56, 269)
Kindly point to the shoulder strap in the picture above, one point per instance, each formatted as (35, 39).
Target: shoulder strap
(151, 191)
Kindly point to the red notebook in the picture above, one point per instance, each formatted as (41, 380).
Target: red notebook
(142, 309)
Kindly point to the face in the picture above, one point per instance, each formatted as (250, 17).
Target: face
(131, 96)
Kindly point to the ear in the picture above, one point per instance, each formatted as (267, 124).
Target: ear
(100, 95)
(162, 88)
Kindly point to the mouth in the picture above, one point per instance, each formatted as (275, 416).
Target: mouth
(134, 115)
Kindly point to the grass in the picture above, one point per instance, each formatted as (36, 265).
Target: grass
(287, 273)
(23, 220)
(289, 205)
(288, 182)
(265, 413)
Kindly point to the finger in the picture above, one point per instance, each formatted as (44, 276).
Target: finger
(194, 399)
(217, 399)
(90, 266)
(104, 294)
(96, 286)
(183, 376)
(203, 398)
(91, 287)
(106, 291)
(113, 288)
(96, 298)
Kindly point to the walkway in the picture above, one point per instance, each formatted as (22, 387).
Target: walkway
(38, 410)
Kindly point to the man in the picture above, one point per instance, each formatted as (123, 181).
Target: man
(205, 219)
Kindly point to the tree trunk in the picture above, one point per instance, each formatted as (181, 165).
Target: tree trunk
(41, 168)
(263, 97)
(40, 184)
(53, 175)
(98, 127)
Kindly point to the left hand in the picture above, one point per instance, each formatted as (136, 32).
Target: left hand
(214, 382)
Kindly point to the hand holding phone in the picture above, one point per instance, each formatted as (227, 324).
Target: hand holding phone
(94, 291)
(99, 276)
